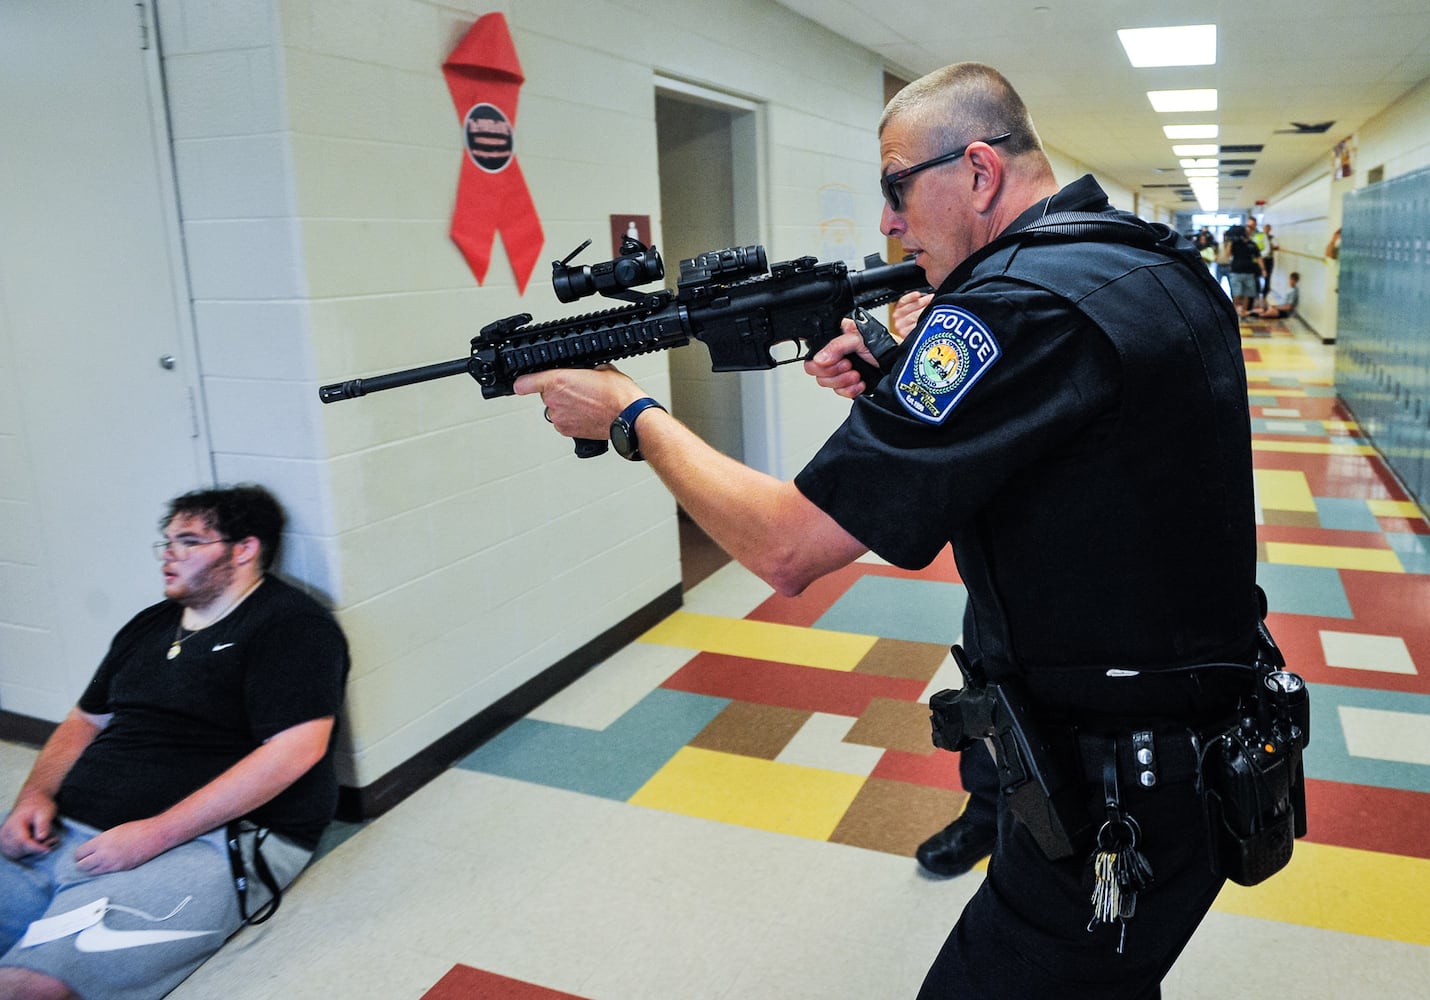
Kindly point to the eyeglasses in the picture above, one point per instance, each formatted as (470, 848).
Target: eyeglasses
(889, 183)
(182, 546)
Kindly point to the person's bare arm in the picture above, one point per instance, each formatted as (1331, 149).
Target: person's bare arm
(245, 786)
(767, 525)
(29, 829)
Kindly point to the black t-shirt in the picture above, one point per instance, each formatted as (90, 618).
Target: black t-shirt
(279, 659)
(1244, 252)
(1096, 488)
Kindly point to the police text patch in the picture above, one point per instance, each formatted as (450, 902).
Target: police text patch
(952, 350)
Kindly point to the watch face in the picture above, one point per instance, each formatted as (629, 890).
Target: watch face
(623, 438)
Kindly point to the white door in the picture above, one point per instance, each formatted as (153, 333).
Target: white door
(100, 416)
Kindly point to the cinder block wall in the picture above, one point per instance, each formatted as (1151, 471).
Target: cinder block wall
(317, 154)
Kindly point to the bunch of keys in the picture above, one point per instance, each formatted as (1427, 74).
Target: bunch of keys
(1119, 869)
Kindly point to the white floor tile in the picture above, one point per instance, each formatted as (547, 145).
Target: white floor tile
(1386, 653)
(820, 743)
(731, 591)
(1382, 735)
(612, 688)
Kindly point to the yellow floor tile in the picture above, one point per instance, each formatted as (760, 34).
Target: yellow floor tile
(1334, 557)
(1284, 489)
(748, 791)
(1311, 447)
(1394, 508)
(806, 647)
(1342, 889)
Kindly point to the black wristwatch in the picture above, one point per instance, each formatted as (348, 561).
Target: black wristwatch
(623, 429)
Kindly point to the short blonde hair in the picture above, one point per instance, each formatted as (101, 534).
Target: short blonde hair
(963, 103)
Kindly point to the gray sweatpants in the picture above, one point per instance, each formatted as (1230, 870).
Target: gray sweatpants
(159, 923)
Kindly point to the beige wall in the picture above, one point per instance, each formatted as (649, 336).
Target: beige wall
(1307, 211)
(317, 157)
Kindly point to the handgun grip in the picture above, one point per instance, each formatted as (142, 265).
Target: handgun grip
(590, 447)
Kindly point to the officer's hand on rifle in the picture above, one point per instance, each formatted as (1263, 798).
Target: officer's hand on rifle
(581, 402)
(907, 312)
(832, 368)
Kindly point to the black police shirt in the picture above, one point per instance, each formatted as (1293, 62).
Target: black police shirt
(1015, 428)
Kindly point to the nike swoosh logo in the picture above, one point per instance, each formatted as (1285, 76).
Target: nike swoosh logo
(221, 646)
(102, 938)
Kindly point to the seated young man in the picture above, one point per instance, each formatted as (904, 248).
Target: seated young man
(1288, 306)
(201, 750)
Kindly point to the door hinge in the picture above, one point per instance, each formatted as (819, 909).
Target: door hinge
(143, 25)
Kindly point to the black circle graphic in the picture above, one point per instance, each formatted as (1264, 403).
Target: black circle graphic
(488, 135)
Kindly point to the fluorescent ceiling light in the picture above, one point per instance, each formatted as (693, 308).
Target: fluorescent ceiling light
(1187, 45)
(1167, 101)
(1190, 131)
(1200, 162)
(1203, 189)
(1201, 171)
(1197, 149)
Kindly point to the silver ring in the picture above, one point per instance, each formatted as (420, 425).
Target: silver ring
(547, 414)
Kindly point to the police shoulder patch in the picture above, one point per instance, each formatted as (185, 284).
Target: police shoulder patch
(952, 350)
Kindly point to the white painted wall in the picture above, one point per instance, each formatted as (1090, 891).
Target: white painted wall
(317, 154)
(1308, 210)
(99, 376)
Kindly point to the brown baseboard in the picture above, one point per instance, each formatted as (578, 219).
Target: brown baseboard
(25, 729)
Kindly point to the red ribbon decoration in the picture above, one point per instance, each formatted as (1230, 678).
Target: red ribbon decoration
(484, 76)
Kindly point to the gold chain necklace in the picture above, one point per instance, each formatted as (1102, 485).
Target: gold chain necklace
(177, 646)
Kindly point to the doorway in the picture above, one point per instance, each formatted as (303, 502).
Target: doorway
(102, 421)
(706, 149)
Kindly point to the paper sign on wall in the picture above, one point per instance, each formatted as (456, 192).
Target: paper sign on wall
(484, 76)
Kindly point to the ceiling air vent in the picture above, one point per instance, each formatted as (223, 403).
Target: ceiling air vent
(1305, 128)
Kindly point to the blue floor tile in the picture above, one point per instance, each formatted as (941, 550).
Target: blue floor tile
(1413, 550)
(612, 763)
(1263, 425)
(1327, 756)
(1303, 590)
(1345, 514)
(897, 608)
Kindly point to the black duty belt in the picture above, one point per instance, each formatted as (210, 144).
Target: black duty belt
(1146, 758)
(1195, 696)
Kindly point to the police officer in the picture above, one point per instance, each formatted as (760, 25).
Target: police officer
(1071, 415)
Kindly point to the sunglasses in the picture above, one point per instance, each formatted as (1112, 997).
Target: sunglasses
(889, 183)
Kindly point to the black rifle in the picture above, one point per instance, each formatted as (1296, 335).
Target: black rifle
(730, 300)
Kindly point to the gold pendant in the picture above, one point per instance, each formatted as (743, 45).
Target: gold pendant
(175, 649)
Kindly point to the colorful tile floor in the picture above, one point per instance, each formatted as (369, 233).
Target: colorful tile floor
(727, 808)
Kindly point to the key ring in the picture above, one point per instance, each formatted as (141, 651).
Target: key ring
(1128, 823)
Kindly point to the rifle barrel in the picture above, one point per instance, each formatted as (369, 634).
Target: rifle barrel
(355, 387)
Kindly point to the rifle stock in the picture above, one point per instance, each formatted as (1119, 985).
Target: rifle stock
(728, 300)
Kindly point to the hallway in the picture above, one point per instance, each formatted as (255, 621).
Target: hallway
(728, 807)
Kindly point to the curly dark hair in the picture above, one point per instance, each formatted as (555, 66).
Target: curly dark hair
(236, 512)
